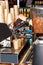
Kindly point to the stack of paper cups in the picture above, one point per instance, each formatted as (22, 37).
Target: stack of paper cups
(9, 19)
(12, 13)
(5, 15)
(7, 5)
(15, 44)
(3, 4)
(16, 11)
(1, 15)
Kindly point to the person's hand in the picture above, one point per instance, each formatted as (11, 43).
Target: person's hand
(22, 17)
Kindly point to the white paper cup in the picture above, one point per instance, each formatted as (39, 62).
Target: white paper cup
(15, 44)
(7, 5)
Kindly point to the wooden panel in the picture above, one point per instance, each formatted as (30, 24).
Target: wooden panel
(4, 64)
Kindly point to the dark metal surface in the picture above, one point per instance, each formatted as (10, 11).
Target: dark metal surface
(29, 56)
(38, 55)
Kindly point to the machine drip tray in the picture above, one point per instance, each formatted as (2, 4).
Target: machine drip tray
(9, 55)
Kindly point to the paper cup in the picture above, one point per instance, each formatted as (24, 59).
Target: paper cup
(15, 44)
(7, 5)
(3, 4)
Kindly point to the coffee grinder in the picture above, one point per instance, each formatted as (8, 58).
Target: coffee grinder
(37, 20)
